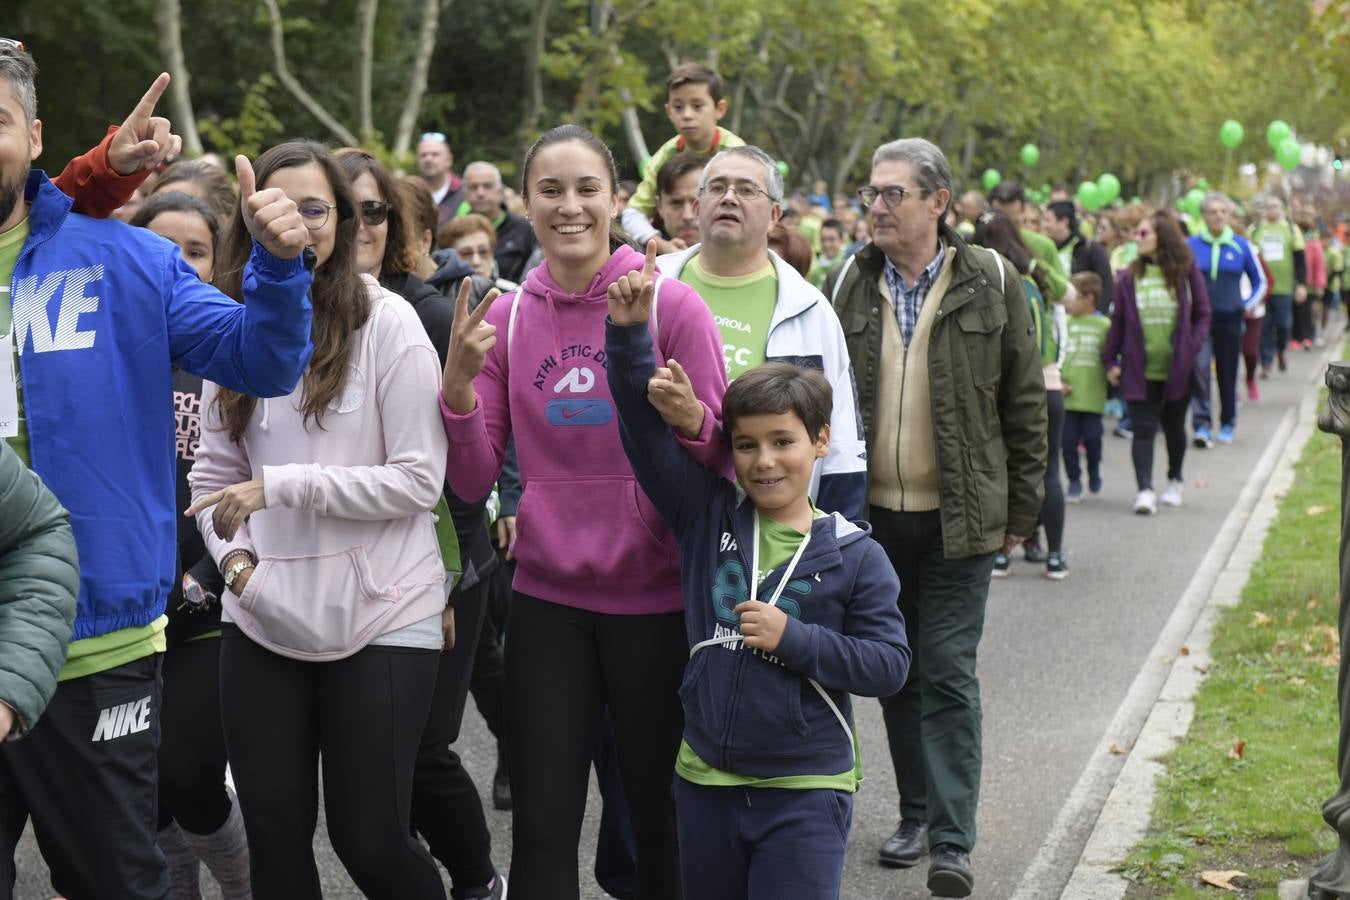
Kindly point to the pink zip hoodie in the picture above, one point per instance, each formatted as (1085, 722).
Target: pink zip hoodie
(346, 545)
(587, 536)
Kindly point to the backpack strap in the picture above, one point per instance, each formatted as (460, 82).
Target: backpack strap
(656, 297)
(998, 260)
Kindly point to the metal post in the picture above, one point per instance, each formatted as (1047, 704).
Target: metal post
(1332, 877)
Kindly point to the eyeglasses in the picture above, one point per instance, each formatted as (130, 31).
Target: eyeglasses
(1142, 233)
(437, 136)
(13, 44)
(315, 213)
(744, 191)
(475, 252)
(374, 212)
(893, 195)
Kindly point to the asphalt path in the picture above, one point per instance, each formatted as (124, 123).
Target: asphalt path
(1057, 660)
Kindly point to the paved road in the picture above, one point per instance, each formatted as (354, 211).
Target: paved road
(1056, 663)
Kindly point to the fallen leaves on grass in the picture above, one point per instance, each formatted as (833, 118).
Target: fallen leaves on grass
(1315, 510)
(1222, 879)
(1260, 618)
(1238, 749)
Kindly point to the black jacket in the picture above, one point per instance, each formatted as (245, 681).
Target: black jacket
(515, 243)
(1090, 256)
(187, 621)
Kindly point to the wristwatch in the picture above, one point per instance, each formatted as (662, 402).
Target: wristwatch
(235, 570)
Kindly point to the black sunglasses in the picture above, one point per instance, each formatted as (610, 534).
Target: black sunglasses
(374, 212)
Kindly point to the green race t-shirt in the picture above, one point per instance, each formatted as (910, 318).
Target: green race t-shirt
(1044, 249)
(1082, 370)
(743, 308)
(1123, 255)
(1278, 241)
(1158, 316)
(11, 242)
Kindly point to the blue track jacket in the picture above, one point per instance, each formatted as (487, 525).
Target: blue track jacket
(102, 313)
(748, 712)
(1225, 280)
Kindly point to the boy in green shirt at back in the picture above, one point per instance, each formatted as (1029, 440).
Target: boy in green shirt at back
(1084, 385)
(694, 105)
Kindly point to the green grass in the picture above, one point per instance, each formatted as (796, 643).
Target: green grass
(1272, 685)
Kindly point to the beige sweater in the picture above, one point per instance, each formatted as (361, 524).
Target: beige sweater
(903, 468)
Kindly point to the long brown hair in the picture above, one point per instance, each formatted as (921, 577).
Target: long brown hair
(338, 294)
(401, 254)
(1173, 254)
(995, 230)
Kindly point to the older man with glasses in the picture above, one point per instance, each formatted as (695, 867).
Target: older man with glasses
(766, 310)
(952, 398)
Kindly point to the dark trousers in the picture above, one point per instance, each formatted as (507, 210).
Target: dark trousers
(933, 725)
(1052, 507)
(1278, 328)
(1224, 348)
(1251, 345)
(192, 746)
(563, 666)
(365, 716)
(615, 846)
(1082, 428)
(1148, 416)
(761, 843)
(1303, 319)
(87, 777)
(446, 808)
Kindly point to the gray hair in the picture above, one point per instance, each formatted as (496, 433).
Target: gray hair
(17, 67)
(931, 170)
(773, 177)
(1216, 197)
(483, 164)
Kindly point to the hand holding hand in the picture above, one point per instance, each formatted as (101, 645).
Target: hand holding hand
(269, 215)
(630, 296)
(233, 506)
(506, 534)
(1113, 376)
(145, 140)
(671, 392)
(1066, 388)
(448, 628)
(1300, 294)
(1010, 542)
(761, 624)
(470, 341)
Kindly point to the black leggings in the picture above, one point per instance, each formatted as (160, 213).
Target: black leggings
(563, 666)
(1052, 508)
(446, 808)
(192, 741)
(1146, 417)
(364, 715)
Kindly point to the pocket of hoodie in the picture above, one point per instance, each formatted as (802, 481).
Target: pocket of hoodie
(591, 529)
(317, 604)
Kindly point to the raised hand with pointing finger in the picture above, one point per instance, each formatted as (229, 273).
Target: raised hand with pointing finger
(672, 393)
(470, 341)
(145, 140)
(630, 296)
(269, 215)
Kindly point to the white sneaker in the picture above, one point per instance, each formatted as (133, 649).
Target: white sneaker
(1145, 503)
(1171, 494)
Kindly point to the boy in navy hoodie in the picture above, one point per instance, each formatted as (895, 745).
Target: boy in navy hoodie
(787, 610)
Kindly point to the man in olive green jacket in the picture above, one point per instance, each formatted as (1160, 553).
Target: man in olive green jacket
(39, 581)
(953, 404)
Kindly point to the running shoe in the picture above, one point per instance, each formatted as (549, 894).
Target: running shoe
(1075, 492)
(1171, 494)
(1145, 503)
(1253, 394)
(1056, 569)
(1265, 373)
(1002, 566)
(1226, 434)
(1284, 366)
(1032, 551)
(1202, 440)
(1123, 431)
(1095, 484)
(1307, 345)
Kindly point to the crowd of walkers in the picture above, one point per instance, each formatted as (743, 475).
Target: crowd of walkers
(663, 474)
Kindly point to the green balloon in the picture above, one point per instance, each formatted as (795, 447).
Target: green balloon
(1108, 188)
(1031, 154)
(782, 168)
(1231, 134)
(1135, 200)
(1090, 195)
(1289, 154)
(1277, 132)
(991, 179)
(1195, 199)
(1203, 184)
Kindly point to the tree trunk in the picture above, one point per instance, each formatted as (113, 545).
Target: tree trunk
(169, 26)
(365, 61)
(855, 147)
(534, 77)
(417, 79)
(297, 90)
(632, 128)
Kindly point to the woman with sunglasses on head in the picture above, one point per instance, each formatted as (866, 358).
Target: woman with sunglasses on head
(1160, 321)
(596, 617)
(317, 507)
(446, 809)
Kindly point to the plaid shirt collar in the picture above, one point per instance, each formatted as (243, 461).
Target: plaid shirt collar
(908, 301)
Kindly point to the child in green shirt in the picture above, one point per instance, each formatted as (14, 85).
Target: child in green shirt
(1084, 385)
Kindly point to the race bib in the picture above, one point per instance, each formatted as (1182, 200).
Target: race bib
(9, 389)
(1272, 246)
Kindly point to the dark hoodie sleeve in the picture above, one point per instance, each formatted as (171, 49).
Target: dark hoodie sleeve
(509, 486)
(678, 486)
(1101, 264)
(870, 657)
(1300, 267)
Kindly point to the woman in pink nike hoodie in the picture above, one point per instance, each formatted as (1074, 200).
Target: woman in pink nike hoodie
(596, 616)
